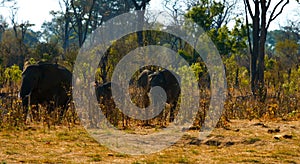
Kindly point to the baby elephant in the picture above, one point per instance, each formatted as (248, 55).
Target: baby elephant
(106, 100)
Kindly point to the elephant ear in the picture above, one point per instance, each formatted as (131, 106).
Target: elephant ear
(150, 77)
(38, 76)
(171, 76)
(29, 80)
(143, 79)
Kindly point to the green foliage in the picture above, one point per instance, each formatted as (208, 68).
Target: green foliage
(207, 15)
(237, 76)
(272, 72)
(185, 55)
(286, 47)
(2, 79)
(244, 77)
(191, 74)
(13, 74)
(238, 38)
(31, 38)
(11, 49)
(223, 41)
(291, 84)
(287, 51)
(46, 51)
(282, 75)
(198, 70)
(31, 61)
(113, 55)
(186, 80)
(270, 64)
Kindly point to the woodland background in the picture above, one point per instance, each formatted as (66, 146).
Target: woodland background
(262, 66)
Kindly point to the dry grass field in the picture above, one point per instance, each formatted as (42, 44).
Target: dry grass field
(244, 141)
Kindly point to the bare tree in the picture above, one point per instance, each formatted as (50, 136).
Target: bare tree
(175, 9)
(3, 2)
(19, 33)
(82, 13)
(229, 11)
(140, 6)
(65, 7)
(3, 26)
(258, 11)
(14, 11)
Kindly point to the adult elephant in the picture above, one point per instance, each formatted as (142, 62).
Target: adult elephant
(168, 81)
(46, 83)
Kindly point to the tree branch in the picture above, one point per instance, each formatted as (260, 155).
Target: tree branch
(268, 4)
(88, 20)
(272, 17)
(136, 6)
(75, 14)
(248, 7)
(248, 29)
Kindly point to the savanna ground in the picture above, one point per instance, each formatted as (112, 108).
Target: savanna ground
(250, 131)
(242, 141)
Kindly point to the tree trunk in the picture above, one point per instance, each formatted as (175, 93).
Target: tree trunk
(259, 34)
(66, 32)
(140, 24)
(261, 62)
(255, 50)
(141, 15)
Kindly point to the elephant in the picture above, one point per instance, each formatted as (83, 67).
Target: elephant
(143, 79)
(46, 83)
(105, 99)
(143, 87)
(168, 81)
(103, 91)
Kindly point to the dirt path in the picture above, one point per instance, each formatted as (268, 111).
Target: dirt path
(243, 142)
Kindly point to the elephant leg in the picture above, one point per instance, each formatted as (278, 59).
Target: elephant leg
(165, 114)
(172, 111)
(31, 112)
(146, 102)
(115, 113)
(25, 104)
(25, 113)
(160, 117)
(35, 112)
(51, 113)
(62, 112)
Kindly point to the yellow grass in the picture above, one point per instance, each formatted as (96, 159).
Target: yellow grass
(243, 142)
